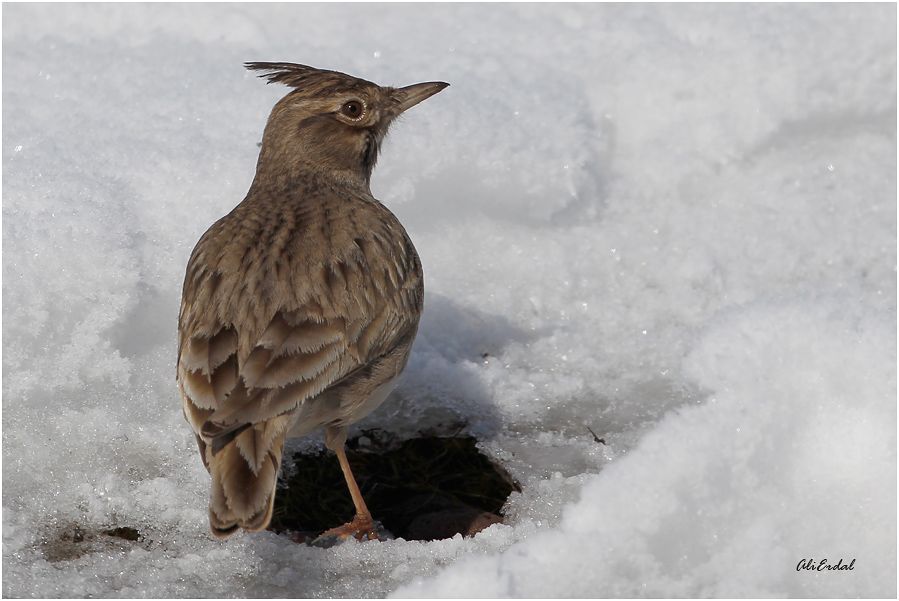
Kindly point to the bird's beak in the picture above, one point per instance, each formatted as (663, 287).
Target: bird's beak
(406, 98)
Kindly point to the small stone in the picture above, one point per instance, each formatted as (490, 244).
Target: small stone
(463, 519)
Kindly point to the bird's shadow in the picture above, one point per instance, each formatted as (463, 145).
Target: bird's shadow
(444, 390)
(465, 333)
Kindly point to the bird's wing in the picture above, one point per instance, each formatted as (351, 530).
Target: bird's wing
(248, 358)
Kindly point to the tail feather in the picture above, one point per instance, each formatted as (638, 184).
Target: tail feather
(241, 496)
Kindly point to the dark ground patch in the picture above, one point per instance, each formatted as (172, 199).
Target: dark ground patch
(73, 541)
(420, 489)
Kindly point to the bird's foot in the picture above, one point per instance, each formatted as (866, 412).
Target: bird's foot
(361, 528)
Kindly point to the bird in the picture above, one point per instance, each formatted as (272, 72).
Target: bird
(300, 306)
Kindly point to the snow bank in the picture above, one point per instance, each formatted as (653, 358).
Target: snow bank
(790, 457)
(674, 225)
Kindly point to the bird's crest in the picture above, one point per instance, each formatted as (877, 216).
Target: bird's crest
(307, 80)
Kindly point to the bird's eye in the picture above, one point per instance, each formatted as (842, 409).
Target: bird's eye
(352, 109)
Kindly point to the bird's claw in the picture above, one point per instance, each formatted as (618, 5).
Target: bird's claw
(360, 528)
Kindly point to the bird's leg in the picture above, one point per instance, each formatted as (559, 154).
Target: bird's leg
(362, 526)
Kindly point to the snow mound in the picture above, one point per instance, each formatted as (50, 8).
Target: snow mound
(792, 456)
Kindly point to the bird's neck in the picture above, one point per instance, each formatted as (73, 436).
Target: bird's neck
(289, 168)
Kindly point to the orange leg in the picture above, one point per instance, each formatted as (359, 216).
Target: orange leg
(362, 526)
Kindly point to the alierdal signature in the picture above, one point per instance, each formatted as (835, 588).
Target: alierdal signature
(821, 565)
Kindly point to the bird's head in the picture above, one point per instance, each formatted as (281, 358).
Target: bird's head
(331, 121)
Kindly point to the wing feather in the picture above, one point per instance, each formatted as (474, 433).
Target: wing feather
(196, 356)
(198, 388)
(222, 346)
(224, 378)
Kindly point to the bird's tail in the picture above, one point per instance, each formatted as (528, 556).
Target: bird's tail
(244, 476)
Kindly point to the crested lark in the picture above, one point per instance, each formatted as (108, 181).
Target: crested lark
(300, 306)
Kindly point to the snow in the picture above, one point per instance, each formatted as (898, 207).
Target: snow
(673, 224)
(717, 499)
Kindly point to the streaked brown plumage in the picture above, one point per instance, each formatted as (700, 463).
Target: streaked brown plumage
(300, 306)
